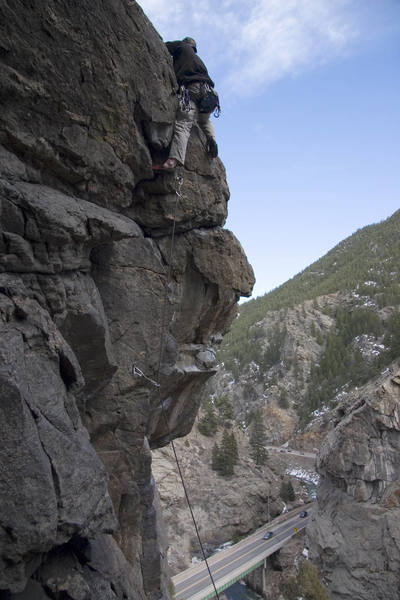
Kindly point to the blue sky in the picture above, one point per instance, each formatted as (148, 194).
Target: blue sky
(310, 125)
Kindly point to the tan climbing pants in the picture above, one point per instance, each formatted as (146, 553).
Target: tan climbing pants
(184, 123)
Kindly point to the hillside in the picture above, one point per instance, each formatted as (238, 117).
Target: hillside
(370, 254)
(332, 327)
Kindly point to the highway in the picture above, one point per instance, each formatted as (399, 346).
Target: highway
(291, 451)
(233, 563)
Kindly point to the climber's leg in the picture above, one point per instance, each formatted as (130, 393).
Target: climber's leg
(204, 121)
(183, 125)
(205, 124)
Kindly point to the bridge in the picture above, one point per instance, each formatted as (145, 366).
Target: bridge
(232, 564)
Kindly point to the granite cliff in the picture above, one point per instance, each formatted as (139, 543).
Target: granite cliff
(88, 98)
(354, 535)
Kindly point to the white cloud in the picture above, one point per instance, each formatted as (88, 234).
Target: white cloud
(279, 38)
(247, 44)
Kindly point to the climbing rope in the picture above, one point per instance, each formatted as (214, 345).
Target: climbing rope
(136, 371)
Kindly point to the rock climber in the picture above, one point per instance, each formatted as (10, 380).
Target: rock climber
(197, 100)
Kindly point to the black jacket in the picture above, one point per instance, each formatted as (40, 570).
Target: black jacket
(188, 67)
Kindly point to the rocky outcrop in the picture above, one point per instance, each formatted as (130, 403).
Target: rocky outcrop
(355, 533)
(259, 383)
(87, 280)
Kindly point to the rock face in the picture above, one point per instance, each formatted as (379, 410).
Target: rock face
(355, 534)
(89, 287)
(259, 383)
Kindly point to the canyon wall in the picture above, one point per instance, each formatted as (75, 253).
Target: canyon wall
(355, 530)
(92, 295)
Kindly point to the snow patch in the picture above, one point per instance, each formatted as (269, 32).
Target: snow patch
(303, 474)
(368, 346)
(223, 546)
(341, 395)
(319, 412)
(369, 303)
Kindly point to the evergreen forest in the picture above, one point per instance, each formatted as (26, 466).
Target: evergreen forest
(348, 304)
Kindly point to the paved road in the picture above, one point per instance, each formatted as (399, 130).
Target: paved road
(195, 583)
(290, 451)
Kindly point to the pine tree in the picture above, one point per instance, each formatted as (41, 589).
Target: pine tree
(283, 491)
(225, 409)
(296, 367)
(215, 458)
(290, 492)
(310, 584)
(306, 585)
(208, 423)
(283, 399)
(392, 337)
(287, 492)
(258, 439)
(318, 337)
(227, 455)
(234, 447)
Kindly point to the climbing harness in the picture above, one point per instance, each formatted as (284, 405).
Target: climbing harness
(184, 99)
(207, 103)
(138, 372)
(209, 100)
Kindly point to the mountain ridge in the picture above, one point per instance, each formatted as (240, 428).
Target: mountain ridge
(350, 312)
(276, 299)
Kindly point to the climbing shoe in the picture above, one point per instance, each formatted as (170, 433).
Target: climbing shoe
(212, 147)
(169, 165)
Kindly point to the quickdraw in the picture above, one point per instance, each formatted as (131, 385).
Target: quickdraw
(179, 181)
(139, 373)
(184, 99)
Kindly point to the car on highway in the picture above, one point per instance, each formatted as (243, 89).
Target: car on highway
(303, 514)
(268, 535)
